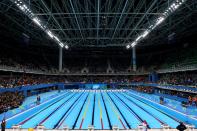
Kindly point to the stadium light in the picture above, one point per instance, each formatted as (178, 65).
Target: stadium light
(128, 46)
(145, 33)
(36, 20)
(133, 44)
(159, 21)
(50, 33)
(175, 5)
(66, 46)
(24, 8)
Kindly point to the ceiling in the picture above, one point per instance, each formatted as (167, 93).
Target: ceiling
(97, 23)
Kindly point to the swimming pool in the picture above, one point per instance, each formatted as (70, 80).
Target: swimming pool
(103, 109)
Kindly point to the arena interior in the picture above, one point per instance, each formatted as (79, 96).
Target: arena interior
(85, 65)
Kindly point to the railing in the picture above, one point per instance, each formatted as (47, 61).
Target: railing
(91, 128)
(32, 71)
(177, 69)
(36, 71)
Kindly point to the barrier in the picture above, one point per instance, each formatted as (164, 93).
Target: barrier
(65, 128)
(115, 128)
(190, 127)
(90, 128)
(106, 130)
(141, 128)
(165, 127)
(16, 128)
(40, 128)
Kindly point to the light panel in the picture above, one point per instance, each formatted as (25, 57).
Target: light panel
(158, 21)
(24, 8)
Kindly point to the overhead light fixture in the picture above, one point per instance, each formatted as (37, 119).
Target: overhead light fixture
(23, 7)
(159, 21)
(145, 33)
(133, 44)
(61, 44)
(50, 33)
(37, 21)
(138, 38)
(128, 46)
(175, 5)
(66, 46)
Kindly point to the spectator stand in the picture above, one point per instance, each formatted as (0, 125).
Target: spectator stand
(29, 89)
(180, 88)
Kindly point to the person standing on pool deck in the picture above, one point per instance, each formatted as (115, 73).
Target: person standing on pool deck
(190, 100)
(38, 100)
(181, 127)
(161, 100)
(145, 125)
(3, 125)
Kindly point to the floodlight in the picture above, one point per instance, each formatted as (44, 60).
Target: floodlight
(134, 44)
(145, 33)
(61, 44)
(66, 46)
(160, 20)
(57, 39)
(36, 20)
(128, 46)
(138, 38)
(50, 34)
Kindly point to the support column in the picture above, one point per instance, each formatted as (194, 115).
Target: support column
(134, 59)
(60, 59)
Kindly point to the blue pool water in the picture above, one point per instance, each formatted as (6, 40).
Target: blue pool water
(78, 109)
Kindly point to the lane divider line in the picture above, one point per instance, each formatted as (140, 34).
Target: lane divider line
(24, 121)
(160, 121)
(99, 103)
(66, 112)
(115, 112)
(120, 112)
(157, 109)
(60, 123)
(74, 125)
(56, 110)
(110, 125)
(85, 112)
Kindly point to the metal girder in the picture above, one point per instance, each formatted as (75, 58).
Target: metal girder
(96, 13)
(142, 18)
(123, 10)
(98, 20)
(42, 1)
(76, 18)
(75, 29)
(101, 22)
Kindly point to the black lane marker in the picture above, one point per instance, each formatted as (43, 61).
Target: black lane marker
(24, 121)
(66, 112)
(131, 110)
(106, 112)
(74, 125)
(55, 110)
(156, 109)
(120, 112)
(161, 122)
(93, 110)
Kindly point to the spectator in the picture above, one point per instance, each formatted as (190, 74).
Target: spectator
(181, 127)
(3, 125)
(10, 100)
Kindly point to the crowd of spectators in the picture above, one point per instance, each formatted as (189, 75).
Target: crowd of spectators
(23, 66)
(17, 81)
(183, 78)
(145, 89)
(10, 100)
